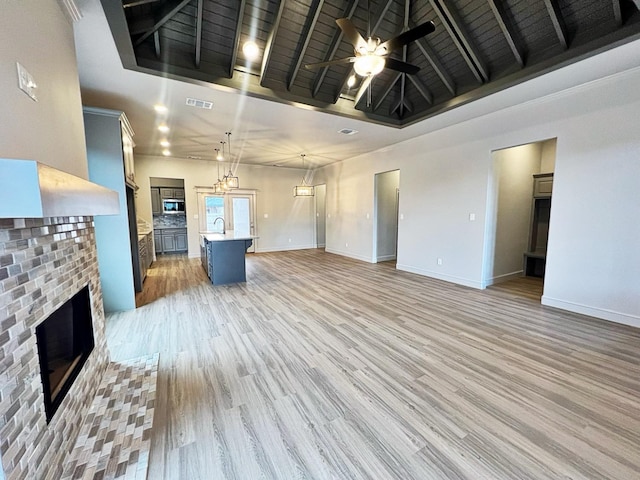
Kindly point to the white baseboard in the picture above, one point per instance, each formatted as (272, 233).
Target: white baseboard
(502, 278)
(285, 248)
(610, 315)
(386, 258)
(355, 256)
(440, 276)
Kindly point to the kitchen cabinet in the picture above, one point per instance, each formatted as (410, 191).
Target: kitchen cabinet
(157, 241)
(145, 253)
(108, 136)
(171, 240)
(174, 193)
(156, 201)
(536, 256)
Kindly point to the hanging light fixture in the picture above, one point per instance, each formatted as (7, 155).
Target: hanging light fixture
(219, 185)
(231, 181)
(303, 190)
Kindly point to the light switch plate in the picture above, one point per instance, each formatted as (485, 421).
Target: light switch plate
(26, 82)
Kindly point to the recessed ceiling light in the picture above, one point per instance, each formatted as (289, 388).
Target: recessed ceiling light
(166, 152)
(165, 143)
(250, 50)
(163, 127)
(160, 108)
(348, 131)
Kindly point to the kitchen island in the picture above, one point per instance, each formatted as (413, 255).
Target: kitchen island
(222, 256)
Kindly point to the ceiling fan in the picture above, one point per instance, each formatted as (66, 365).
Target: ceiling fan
(371, 56)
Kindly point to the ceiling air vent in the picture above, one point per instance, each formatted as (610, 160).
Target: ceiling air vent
(194, 102)
(347, 131)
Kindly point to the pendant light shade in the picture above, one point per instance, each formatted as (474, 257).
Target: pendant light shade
(303, 190)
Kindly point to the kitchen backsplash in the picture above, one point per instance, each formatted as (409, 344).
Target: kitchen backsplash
(170, 221)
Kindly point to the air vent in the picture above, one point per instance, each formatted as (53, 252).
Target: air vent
(194, 102)
(347, 131)
(194, 157)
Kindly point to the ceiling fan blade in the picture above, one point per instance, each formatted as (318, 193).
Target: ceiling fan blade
(363, 88)
(312, 66)
(349, 31)
(400, 66)
(406, 37)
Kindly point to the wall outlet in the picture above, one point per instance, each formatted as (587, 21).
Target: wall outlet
(472, 217)
(439, 261)
(266, 215)
(289, 240)
(367, 216)
(402, 216)
(346, 245)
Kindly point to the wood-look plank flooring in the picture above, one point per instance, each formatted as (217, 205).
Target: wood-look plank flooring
(323, 367)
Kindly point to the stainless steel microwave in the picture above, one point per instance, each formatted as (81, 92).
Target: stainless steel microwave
(172, 205)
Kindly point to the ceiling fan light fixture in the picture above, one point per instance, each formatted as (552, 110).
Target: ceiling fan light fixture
(370, 64)
(250, 50)
(352, 81)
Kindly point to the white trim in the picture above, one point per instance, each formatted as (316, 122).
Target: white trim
(603, 313)
(287, 248)
(440, 276)
(502, 278)
(349, 255)
(385, 258)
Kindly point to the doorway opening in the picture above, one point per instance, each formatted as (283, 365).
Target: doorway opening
(519, 209)
(321, 215)
(385, 216)
(169, 209)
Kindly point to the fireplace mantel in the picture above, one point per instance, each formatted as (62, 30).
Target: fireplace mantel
(30, 189)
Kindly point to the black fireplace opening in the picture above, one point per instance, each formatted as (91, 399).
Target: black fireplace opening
(65, 340)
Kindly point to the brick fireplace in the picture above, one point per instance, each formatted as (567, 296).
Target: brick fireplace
(43, 263)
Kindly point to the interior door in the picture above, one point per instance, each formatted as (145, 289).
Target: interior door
(240, 212)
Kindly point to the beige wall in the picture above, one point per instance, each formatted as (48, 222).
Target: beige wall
(37, 34)
(289, 224)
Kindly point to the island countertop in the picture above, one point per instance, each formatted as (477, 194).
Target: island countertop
(228, 236)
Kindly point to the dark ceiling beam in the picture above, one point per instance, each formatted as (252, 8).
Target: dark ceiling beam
(345, 79)
(309, 28)
(156, 43)
(508, 30)
(387, 91)
(167, 14)
(421, 87)
(558, 22)
(137, 2)
(333, 48)
(236, 40)
(432, 58)
(617, 12)
(268, 49)
(452, 22)
(199, 33)
(400, 106)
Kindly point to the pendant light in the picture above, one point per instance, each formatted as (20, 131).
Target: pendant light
(219, 185)
(303, 190)
(231, 181)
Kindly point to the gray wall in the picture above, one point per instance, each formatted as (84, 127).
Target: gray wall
(283, 222)
(593, 262)
(386, 214)
(37, 34)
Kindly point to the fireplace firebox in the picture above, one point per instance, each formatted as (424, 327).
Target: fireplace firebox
(65, 341)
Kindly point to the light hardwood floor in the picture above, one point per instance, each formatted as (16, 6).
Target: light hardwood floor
(325, 367)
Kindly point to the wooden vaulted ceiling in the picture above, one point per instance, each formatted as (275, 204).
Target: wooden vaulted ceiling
(478, 47)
